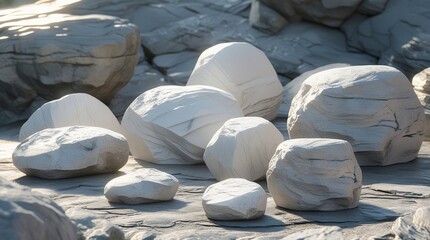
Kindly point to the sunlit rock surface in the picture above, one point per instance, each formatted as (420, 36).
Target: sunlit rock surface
(73, 109)
(28, 215)
(234, 199)
(372, 107)
(142, 186)
(244, 71)
(314, 174)
(242, 148)
(416, 227)
(173, 124)
(421, 83)
(71, 151)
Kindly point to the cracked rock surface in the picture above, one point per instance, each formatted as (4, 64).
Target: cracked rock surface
(421, 83)
(383, 127)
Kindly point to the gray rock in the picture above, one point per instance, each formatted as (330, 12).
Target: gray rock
(28, 215)
(44, 55)
(421, 83)
(372, 107)
(332, 233)
(234, 199)
(417, 228)
(314, 174)
(177, 66)
(372, 7)
(265, 18)
(55, 153)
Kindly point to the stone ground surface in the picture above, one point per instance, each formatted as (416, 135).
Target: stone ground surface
(388, 192)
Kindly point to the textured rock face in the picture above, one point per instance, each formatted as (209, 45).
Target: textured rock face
(421, 83)
(73, 109)
(314, 174)
(55, 153)
(265, 18)
(173, 124)
(50, 55)
(142, 186)
(417, 228)
(372, 107)
(27, 215)
(244, 71)
(234, 199)
(242, 148)
(332, 233)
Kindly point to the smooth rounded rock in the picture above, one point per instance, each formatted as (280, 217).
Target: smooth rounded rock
(234, 199)
(315, 174)
(142, 186)
(73, 109)
(372, 107)
(244, 71)
(55, 153)
(174, 124)
(242, 148)
(421, 219)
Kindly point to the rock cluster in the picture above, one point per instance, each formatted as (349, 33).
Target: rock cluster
(314, 174)
(383, 127)
(416, 228)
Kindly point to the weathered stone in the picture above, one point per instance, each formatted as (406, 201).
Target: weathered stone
(142, 186)
(265, 18)
(314, 174)
(417, 228)
(422, 219)
(421, 83)
(55, 153)
(332, 233)
(177, 66)
(244, 71)
(28, 215)
(242, 148)
(73, 109)
(234, 199)
(372, 7)
(173, 124)
(372, 107)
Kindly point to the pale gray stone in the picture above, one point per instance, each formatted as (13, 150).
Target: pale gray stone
(177, 66)
(28, 215)
(421, 83)
(73, 109)
(244, 71)
(234, 199)
(142, 186)
(55, 153)
(174, 124)
(416, 227)
(421, 219)
(314, 174)
(332, 233)
(373, 107)
(265, 18)
(242, 148)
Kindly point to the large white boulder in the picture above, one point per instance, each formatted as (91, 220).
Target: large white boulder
(373, 107)
(244, 71)
(142, 186)
(173, 124)
(71, 151)
(242, 148)
(315, 174)
(234, 199)
(73, 109)
(421, 83)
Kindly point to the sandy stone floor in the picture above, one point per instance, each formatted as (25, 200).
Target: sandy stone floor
(388, 192)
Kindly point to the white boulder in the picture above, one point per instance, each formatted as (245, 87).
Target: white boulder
(421, 83)
(234, 199)
(421, 219)
(173, 124)
(73, 109)
(244, 71)
(142, 186)
(373, 107)
(71, 151)
(242, 148)
(315, 174)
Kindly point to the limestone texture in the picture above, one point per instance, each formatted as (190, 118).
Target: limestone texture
(314, 174)
(234, 199)
(174, 124)
(242, 148)
(244, 71)
(372, 107)
(72, 109)
(416, 227)
(142, 186)
(421, 83)
(55, 153)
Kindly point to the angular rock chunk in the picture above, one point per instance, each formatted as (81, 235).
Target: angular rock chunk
(422, 219)
(242, 148)
(421, 83)
(373, 107)
(314, 174)
(173, 124)
(244, 71)
(142, 186)
(417, 228)
(234, 199)
(55, 153)
(265, 18)
(73, 109)
(27, 215)
(49, 55)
